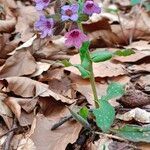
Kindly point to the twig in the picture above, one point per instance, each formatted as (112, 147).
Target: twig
(8, 132)
(62, 121)
(136, 23)
(6, 145)
(112, 136)
(121, 27)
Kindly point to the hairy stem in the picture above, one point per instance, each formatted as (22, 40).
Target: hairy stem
(93, 85)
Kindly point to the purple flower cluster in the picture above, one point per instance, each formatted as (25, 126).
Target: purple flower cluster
(45, 26)
(41, 4)
(68, 13)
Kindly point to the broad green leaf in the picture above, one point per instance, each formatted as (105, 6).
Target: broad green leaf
(114, 90)
(84, 112)
(135, 2)
(79, 118)
(84, 73)
(101, 56)
(134, 133)
(105, 115)
(124, 52)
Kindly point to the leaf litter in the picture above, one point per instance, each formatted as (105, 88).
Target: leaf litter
(35, 87)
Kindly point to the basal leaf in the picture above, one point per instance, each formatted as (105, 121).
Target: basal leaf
(105, 115)
(134, 133)
(79, 118)
(84, 112)
(101, 56)
(114, 90)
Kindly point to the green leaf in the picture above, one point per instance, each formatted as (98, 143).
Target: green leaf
(105, 115)
(84, 112)
(83, 17)
(125, 52)
(66, 63)
(114, 90)
(135, 2)
(101, 56)
(134, 133)
(84, 73)
(84, 49)
(80, 119)
(147, 5)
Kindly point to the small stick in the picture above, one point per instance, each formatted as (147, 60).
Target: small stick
(8, 132)
(6, 145)
(62, 121)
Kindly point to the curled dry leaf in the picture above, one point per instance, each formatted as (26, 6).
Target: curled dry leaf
(103, 69)
(137, 114)
(21, 63)
(134, 98)
(27, 87)
(5, 112)
(144, 82)
(15, 104)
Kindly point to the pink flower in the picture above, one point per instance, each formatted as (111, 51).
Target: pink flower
(75, 38)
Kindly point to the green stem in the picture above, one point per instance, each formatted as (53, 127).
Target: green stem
(92, 78)
(93, 85)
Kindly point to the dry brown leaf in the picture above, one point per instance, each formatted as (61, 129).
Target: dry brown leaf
(84, 87)
(103, 69)
(14, 106)
(27, 87)
(7, 25)
(140, 45)
(26, 144)
(26, 119)
(27, 17)
(139, 68)
(44, 138)
(41, 67)
(137, 114)
(5, 112)
(21, 63)
(144, 82)
(134, 98)
(7, 46)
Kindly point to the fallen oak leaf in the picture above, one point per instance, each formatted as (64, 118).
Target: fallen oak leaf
(21, 63)
(27, 87)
